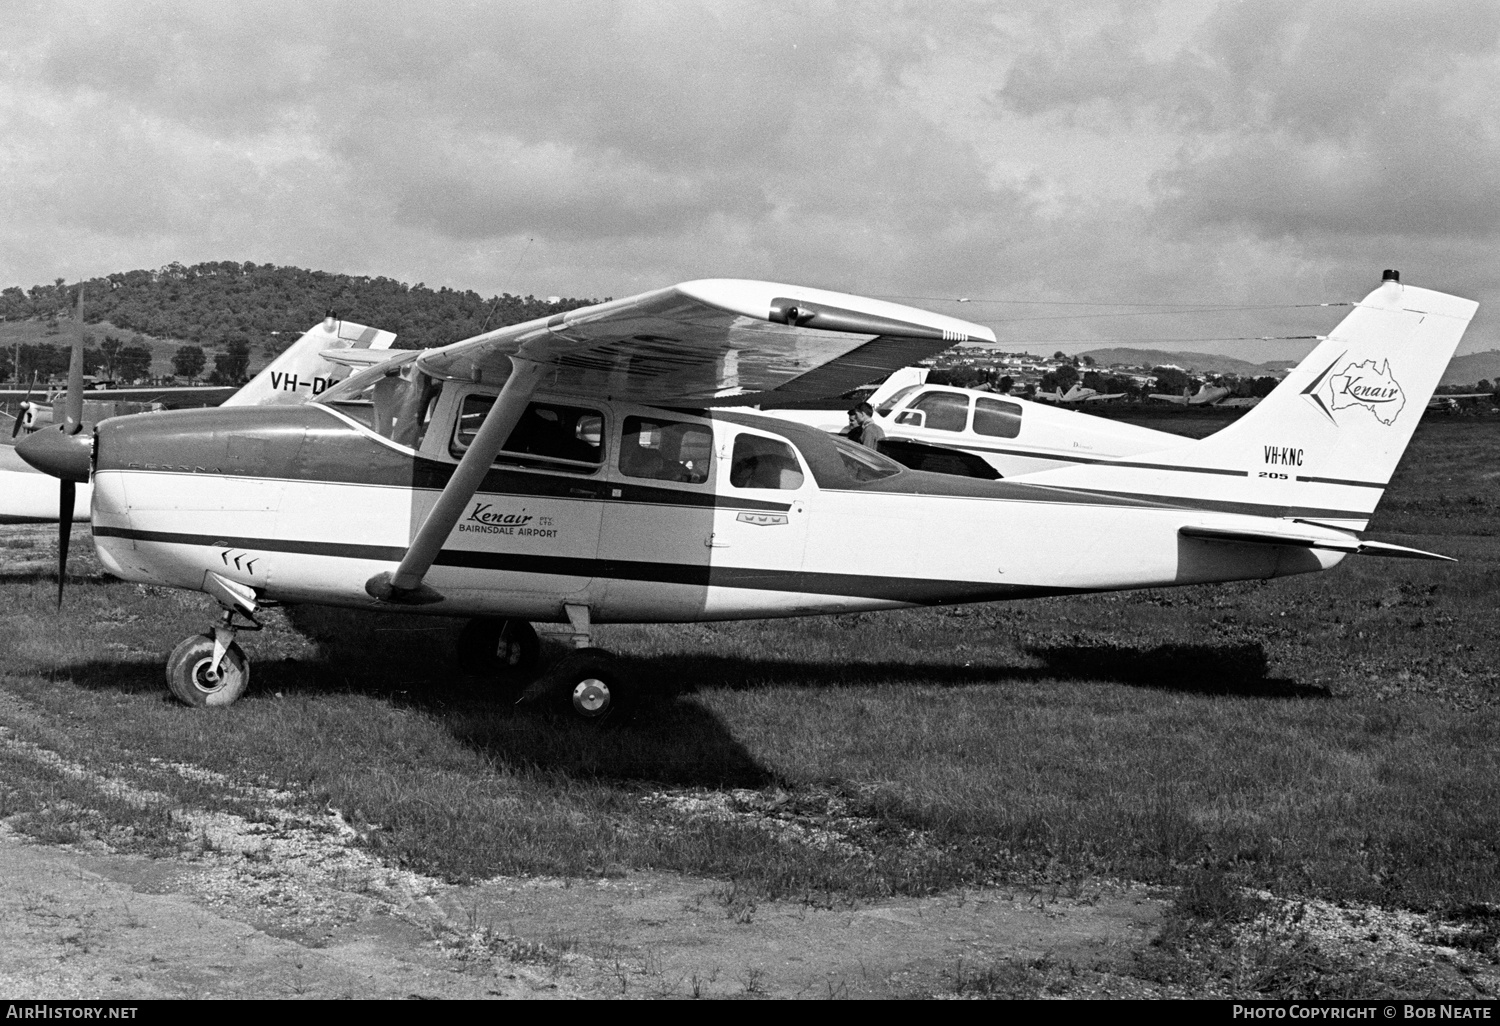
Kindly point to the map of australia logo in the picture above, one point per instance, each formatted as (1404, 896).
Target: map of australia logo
(1358, 384)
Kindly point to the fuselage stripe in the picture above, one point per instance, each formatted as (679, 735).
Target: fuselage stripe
(1258, 509)
(1342, 481)
(915, 591)
(1041, 454)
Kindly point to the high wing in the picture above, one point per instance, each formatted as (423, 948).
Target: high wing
(713, 342)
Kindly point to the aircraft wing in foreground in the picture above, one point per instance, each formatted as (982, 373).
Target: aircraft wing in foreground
(574, 470)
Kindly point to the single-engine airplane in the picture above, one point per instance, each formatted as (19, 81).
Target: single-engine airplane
(1451, 402)
(1208, 395)
(1076, 394)
(977, 433)
(574, 469)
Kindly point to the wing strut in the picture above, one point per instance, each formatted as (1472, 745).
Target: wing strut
(405, 584)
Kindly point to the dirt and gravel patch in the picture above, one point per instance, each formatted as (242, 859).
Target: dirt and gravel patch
(294, 907)
(290, 904)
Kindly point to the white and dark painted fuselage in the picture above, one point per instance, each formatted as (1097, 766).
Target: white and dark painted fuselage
(305, 504)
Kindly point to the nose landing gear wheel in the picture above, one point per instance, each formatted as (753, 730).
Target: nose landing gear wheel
(194, 682)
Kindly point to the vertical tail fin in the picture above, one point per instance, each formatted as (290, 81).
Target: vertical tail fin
(898, 380)
(1323, 445)
(302, 372)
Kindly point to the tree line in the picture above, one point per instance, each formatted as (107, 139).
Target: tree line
(1165, 380)
(230, 307)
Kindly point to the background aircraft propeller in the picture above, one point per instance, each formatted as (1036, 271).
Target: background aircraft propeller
(63, 451)
(67, 490)
(25, 407)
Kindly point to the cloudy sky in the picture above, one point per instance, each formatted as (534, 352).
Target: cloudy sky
(1049, 161)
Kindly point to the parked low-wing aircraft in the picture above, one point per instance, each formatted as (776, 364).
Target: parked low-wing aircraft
(1449, 402)
(978, 433)
(316, 361)
(36, 414)
(1207, 395)
(1075, 394)
(573, 469)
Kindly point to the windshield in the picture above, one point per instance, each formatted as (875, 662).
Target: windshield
(393, 399)
(864, 464)
(893, 400)
(360, 380)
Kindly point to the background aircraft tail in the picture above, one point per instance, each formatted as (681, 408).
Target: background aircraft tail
(898, 380)
(302, 372)
(1322, 446)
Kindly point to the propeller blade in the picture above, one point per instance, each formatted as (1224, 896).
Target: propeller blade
(75, 376)
(25, 406)
(67, 493)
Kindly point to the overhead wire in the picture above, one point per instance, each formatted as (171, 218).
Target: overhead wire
(1073, 302)
(1195, 338)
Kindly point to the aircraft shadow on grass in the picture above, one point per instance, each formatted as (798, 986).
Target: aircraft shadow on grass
(1229, 670)
(1237, 671)
(661, 740)
(675, 742)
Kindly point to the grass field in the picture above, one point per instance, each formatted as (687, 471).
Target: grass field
(1331, 736)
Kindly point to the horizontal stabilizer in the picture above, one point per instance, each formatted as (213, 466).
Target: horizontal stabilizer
(1375, 548)
(1295, 539)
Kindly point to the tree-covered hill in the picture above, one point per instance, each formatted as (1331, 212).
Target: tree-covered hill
(266, 306)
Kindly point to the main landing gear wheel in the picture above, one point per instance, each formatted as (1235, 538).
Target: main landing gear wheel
(586, 683)
(195, 682)
(493, 647)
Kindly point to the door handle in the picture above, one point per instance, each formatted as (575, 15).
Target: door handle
(712, 542)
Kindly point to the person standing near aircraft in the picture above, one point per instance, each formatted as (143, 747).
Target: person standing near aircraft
(862, 427)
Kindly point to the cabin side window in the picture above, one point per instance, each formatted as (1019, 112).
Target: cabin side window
(760, 462)
(665, 450)
(997, 418)
(548, 435)
(942, 411)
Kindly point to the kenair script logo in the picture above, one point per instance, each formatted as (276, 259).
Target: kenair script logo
(1358, 384)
